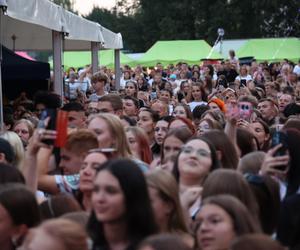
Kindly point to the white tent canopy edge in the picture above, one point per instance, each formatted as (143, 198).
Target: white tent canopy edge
(43, 25)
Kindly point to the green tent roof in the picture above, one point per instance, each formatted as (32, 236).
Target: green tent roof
(81, 58)
(271, 49)
(189, 51)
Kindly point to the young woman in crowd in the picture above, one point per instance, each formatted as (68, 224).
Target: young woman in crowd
(262, 133)
(221, 220)
(182, 110)
(122, 215)
(198, 96)
(138, 143)
(206, 125)
(111, 134)
(131, 89)
(160, 132)
(173, 141)
(164, 196)
(196, 160)
(147, 119)
(87, 173)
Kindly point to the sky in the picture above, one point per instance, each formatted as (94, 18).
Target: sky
(85, 6)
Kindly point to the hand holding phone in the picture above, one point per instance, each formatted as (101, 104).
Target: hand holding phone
(275, 165)
(54, 120)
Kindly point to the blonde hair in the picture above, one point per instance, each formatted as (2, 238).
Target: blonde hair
(17, 145)
(28, 124)
(167, 187)
(116, 130)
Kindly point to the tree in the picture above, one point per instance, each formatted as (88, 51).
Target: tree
(143, 22)
(66, 4)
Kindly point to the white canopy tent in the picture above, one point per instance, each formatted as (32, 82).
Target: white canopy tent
(43, 25)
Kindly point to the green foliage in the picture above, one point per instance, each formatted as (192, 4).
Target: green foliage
(143, 22)
(66, 4)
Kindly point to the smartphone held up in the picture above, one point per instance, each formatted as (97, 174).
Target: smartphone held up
(52, 119)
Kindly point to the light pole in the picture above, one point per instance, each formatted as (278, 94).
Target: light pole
(221, 33)
(3, 9)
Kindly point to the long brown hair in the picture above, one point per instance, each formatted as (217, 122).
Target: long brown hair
(232, 183)
(242, 220)
(168, 190)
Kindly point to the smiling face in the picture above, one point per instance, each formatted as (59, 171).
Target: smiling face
(108, 199)
(196, 93)
(216, 230)
(165, 96)
(195, 160)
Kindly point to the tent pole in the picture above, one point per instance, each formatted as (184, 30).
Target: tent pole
(95, 62)
(3, 7)
(117, 68)
(57, 38)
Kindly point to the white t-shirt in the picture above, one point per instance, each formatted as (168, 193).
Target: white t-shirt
(297, 70)
(194, 104)
(247, 78)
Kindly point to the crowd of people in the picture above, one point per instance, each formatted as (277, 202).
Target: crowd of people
(181, 157)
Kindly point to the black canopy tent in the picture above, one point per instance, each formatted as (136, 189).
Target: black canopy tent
(20, 74)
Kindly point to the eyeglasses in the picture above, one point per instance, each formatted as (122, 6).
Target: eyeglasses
(17, 131)
(200, 152)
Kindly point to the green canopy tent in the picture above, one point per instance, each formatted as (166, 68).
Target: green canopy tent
(271, 49)
(81, 58)
(189, 51)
